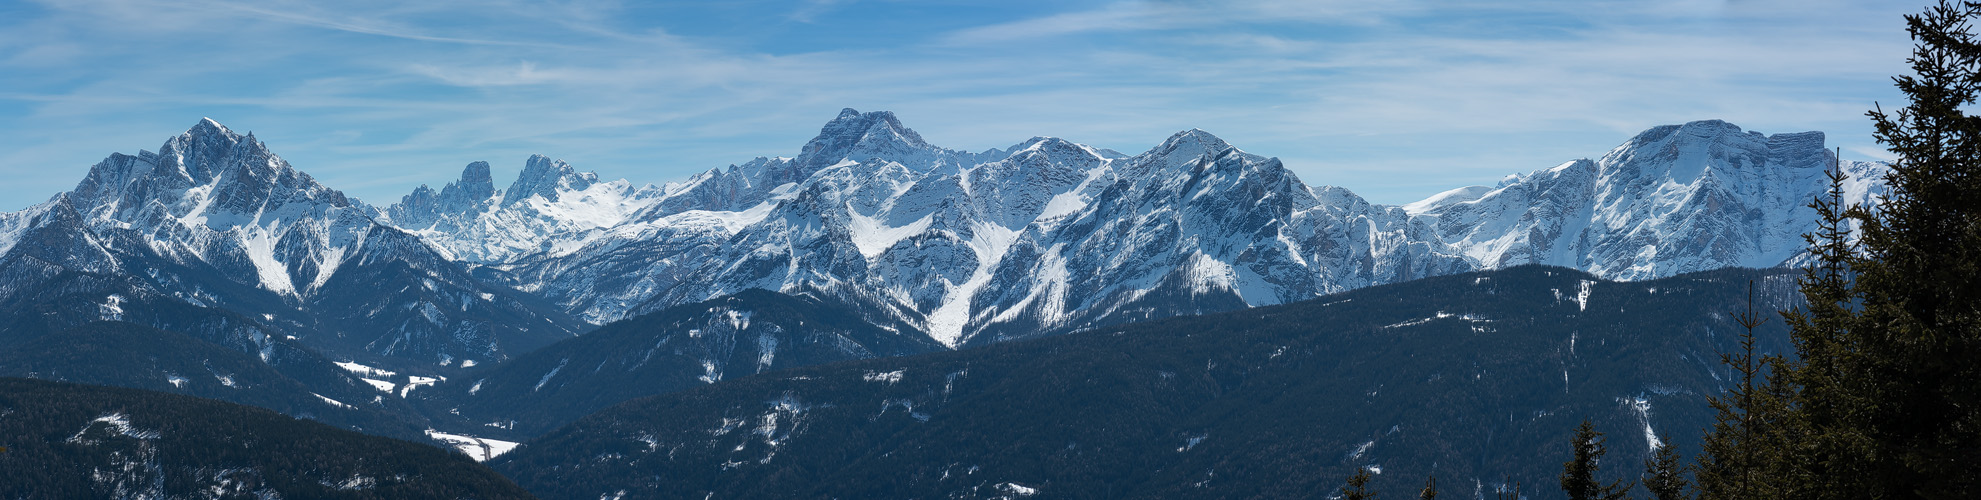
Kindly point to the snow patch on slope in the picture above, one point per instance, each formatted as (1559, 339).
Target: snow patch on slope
(259, 243)
(872, 236)
(479, 448)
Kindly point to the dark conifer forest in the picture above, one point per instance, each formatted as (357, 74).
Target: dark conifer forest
(75, 441)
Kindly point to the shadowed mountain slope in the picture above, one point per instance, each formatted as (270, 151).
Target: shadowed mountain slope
(76, 441)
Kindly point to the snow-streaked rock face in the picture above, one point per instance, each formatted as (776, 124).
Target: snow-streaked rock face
(1051, 236)
(217, 220)
(1046, 236)
(222, 199)
(424, 208)
(1192, 226)
(1674, 199)
(680, 248)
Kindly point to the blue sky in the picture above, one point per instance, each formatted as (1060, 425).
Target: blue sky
(1395, 100)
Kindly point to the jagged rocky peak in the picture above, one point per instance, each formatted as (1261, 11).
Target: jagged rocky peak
(1031, 143)
(544, 177)
(186, 160)
(51, 233)
(423, 207)
(208, 149)
(550, 206)
(1052, 147)
(475, 183)
(857, 136)
(196, 148)
(1038, 156)
(1695, 130)
(1186, 149)
(416, 208)
(1685, 153)
(876, 136)
(1194, 142)
(207, 169)
(1447, 198)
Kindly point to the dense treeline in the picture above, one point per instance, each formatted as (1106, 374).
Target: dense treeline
(75, 441)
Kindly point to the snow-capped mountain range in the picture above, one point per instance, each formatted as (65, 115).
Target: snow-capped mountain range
(215, 219)
(1044, 237)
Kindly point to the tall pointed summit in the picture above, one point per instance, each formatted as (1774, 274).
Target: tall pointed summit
(216, 219)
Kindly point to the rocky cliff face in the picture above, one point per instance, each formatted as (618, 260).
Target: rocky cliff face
(1674, 199)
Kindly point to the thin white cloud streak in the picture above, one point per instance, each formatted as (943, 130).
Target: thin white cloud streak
(360, 28)
(809, 10)
(1127, 16)
(1116, 17)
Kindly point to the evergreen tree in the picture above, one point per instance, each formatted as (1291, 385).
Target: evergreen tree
(1578, 476)
(1357, 486)
(1916, 330)
(1506, 494)
(1663, 476)
(1430, 491)
(1746, 454)
(1824, 400)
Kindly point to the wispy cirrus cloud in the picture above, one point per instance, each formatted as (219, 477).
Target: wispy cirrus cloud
(375, 97)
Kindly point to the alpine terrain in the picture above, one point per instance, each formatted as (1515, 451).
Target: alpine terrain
(214, 268)
(1049, 236)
